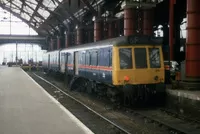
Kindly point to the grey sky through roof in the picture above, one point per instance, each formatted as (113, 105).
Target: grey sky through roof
(32, 12)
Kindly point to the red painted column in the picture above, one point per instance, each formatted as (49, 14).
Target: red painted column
(67, 40)
(58, 42)
(171, 28)
(193, 40)
(98, 30)
(79, 37)
(105, 31)
(117, 28)
(129, 21)
(90, 36)
(148, 18)
(111, 29)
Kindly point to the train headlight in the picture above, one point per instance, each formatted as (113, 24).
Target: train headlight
(156, 78)
(126, 78)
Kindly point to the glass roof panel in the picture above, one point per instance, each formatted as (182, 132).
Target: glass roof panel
(17, 2)
(38, 19)
(12, 25)
(26, 8)
(31, 4)
(34, 2)
(43, 13)
(51, 4)
(16, 10)
(26, 16)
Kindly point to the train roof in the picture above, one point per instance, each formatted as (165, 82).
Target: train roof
(119, 41)
(58, 50)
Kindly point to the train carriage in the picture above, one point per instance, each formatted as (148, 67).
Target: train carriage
(131, 66)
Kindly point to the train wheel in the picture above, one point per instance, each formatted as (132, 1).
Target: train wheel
(66, 81)
(77, 84)
(128, 98)
(89, 86)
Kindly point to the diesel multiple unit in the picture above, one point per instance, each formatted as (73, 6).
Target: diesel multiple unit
(126, 68)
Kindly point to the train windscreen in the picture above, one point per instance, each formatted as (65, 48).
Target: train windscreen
(125, 55)
(140, 58)
(154, 57)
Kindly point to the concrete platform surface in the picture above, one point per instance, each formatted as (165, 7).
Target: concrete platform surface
(193, 95)
(25, 108)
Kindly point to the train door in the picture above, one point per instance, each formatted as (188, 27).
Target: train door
(62, 62)
(48, 61)
(76, 54)
(66, 60)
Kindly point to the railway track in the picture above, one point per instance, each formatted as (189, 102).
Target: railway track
(157, 120)
(163, 119)
(117, 128)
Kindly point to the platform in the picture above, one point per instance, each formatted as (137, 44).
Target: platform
(26, 108)
(192, 95)
(184, 102)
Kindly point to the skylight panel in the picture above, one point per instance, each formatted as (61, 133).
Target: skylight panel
(16, 10)
(29, 10)
(43, 13)
(50, 4)
(17, 2)
(26, 16)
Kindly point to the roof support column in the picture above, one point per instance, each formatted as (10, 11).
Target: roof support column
(171, 28)
(148, 18)
(51, 44)
(58, 42)
(129, 21)
(62, 37)
(193, 41)
(67, 40)
(98, 29)
(79, 36)
(90, 35)
(111, 26)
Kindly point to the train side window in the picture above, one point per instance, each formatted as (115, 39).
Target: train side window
(140, 58)
(100, 57)
(94, 58)
(69, 58)
(62, 57)
(82, 58)
(125, 56)
(103, 57)
(66, 58)
(110, 58)
(87, 58)
(154, 57)
(106, 57)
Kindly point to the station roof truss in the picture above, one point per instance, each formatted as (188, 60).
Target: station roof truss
(46, 16)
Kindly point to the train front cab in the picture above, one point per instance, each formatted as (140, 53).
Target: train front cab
(139, 69)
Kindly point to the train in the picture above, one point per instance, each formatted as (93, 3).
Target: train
(126, 69)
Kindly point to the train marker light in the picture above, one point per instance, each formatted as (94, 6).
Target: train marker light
(126, 78)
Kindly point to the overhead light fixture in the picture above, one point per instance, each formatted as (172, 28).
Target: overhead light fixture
(93, 18)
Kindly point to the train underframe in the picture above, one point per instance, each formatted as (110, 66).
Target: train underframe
(127, 95)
